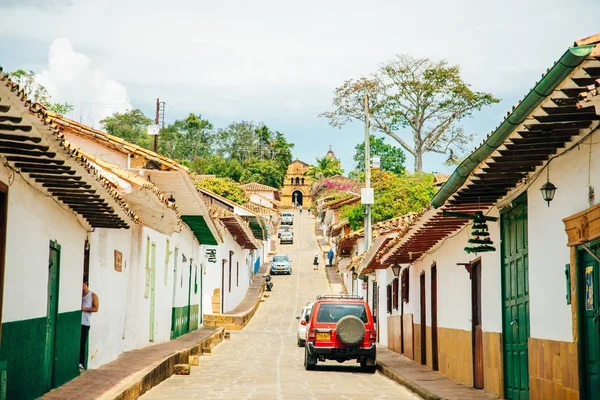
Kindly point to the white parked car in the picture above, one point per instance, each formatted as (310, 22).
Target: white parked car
(286, 237)
(287, 218)
(303, 324)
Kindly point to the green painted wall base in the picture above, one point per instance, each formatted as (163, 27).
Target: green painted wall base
(22, 348)
(179, 320)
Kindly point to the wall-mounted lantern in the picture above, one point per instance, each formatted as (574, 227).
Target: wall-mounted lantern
(548, 189)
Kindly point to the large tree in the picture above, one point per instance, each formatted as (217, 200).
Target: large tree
(324, 168)
(392, 157)
(37, 92)
(414, 98)
(188, 138)
(225, 187)
(131, 126)
(395, 195)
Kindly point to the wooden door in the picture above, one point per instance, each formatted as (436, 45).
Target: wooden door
(515, 301)
(152, 289)
(476, 329)
(52, 314)
(589, 311)
(434, 326)
(223, 262)
(423, 323)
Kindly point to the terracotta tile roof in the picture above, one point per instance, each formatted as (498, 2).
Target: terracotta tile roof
(70, 126)
(258, 187)
(259, 209)
(133, 179)
(274, 202)
(35, 149)
(335, 204)
(336, 228)
(393, 224)
(440, 179)
(238, 228)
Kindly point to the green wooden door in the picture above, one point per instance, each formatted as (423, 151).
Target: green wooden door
(589, 311)
(515, 302)
(152, 289)
(52, 313)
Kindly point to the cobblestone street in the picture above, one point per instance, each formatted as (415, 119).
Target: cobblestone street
(264, 362)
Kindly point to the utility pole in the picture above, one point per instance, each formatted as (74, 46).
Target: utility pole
(159, 120)
(368, 196)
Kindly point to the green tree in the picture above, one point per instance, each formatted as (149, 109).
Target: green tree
(266, 172)
(37, 92)
(225, 187)
(131, 126)
(392, 158)
(219, 166)
(395, 195)
(324, 168)
(187, 139)
(414, 97)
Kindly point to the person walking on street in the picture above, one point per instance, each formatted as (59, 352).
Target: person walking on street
(316, 262)
(89, 305)
(330, 255)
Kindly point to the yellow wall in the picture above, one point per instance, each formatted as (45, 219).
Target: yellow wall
(553, 370)
(296, 169)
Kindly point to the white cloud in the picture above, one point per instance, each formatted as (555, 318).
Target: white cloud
(70, 78)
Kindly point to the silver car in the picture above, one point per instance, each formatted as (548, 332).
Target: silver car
(303, 324)
(281, 264)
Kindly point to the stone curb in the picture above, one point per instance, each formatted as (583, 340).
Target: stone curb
(401, 379)
(162, 369)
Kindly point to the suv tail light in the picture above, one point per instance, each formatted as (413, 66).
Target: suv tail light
(312, 334)
(372, 336)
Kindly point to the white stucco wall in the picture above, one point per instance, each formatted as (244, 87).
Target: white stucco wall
(550, 316)
(382, 280)
(33, 220)
(111, 287)
(239, 286)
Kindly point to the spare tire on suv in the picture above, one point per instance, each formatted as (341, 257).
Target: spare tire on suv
(350, 330)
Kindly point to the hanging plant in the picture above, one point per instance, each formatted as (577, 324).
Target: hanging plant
(480, 235)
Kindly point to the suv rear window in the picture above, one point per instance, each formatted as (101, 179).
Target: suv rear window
(332, 313)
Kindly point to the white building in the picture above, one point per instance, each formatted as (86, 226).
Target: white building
(51, 198)
(518, 321)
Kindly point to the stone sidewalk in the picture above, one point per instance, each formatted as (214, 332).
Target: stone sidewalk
(428, 384)
(136, 371)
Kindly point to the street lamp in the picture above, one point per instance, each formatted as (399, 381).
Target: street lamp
(396, 269)
(548, 189)
(354, 274)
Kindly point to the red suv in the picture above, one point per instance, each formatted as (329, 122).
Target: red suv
(341, 328)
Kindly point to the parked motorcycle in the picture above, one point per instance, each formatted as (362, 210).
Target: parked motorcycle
(269, 285)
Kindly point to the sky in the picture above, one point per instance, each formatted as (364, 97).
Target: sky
(279, 62)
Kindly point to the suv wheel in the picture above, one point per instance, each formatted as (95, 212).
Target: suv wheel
(368, 368)
(309, 361)
(300, 342)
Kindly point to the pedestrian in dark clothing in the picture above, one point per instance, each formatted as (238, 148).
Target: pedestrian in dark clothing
(330, 255)
(316, 262)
